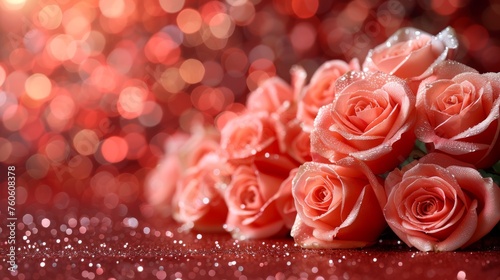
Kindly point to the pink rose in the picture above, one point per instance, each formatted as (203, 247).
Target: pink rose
(182, 151)
(160, 184)
(440, 204)
(338, 205)
(249, 135)
(252, 139)
(458, 113)
(411, 53)
(200, 203)
(251, 200)
(321, 89)
(371, 118)
(270, 96)
(175, 141)
(276, 98)
(202, 140)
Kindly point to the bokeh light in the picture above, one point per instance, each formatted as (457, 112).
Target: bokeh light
(80, 167)
(303, 36)
(221, 25)
(38, 86)
(242, 12)
(5, 149)
(114, 149)
(171, 6)
(62, 47)
(172, 81)
(161, 48)
(86, 142)
(131, 102)
(13, 4)
(15, 117)
(37, 166)
(152, 114)
(62, 107)
(112, 8)
(305, 8)
(189, 21)
(50, 17)
(192, 71)
(56, 149)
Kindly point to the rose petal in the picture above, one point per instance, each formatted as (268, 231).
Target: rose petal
(426, 134)
(298, 76)
(417, 62)
(424, 244)
(409, 61)
(486, 193)
(463, 232)
(448, 69)
(243, 231)
(303, 236)
(270, 95)
(285, 201)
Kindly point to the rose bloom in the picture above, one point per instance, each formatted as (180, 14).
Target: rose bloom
(338, 205)
(372, 119)
(411, 53)
(321, 89)
(270, 96)
(251, 200)
(252, 139)
(182, 151)
(440, 204)
(247, 135)
(201, 205)
(160, 184)
(276, 98)
(202, 141)
(458, 113)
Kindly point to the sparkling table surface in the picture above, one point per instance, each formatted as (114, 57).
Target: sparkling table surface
(103, 247)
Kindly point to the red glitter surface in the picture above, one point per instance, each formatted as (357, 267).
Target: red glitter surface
(90, 90)
(98, 247)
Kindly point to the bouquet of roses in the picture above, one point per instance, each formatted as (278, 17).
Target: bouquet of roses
(402, 140)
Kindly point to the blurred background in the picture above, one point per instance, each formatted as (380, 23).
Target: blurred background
(90, 90)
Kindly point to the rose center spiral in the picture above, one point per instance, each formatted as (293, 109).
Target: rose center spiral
(248, 198)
